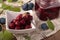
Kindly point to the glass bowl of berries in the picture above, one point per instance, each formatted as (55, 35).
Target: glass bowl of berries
(19, 22)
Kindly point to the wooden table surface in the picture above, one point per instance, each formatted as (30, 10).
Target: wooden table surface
(56, 36)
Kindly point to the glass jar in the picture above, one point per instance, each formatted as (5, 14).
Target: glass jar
(49, 13)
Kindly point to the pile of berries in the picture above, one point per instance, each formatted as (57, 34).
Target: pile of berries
(50, 13)
(22, 21)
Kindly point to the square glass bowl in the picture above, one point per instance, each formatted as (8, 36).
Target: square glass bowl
(12, 15)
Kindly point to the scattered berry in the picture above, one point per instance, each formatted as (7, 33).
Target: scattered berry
(30, 6)
(44, 26)
(25, 7)
(2, 20)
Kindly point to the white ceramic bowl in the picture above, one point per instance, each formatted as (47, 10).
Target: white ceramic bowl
(12, 15)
